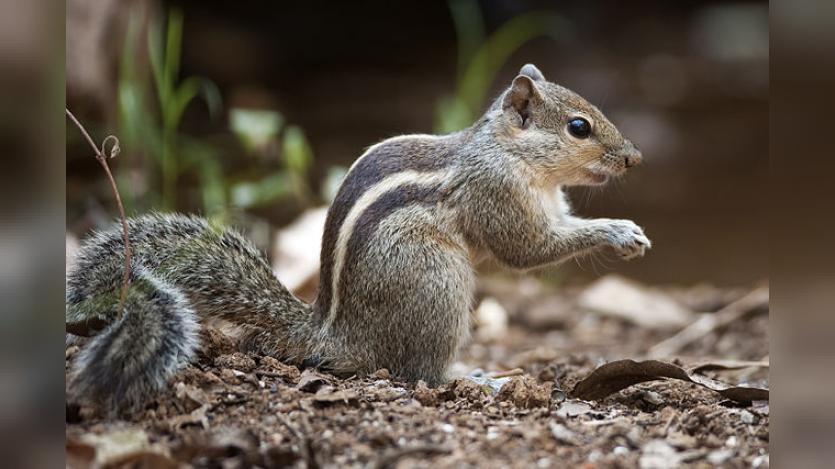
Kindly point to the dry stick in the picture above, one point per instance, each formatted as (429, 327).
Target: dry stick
(710, 322)
(507, 374)
(305, 445)
(100, 156)
(389, 458)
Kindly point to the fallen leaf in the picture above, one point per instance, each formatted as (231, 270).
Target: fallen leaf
(311, 381)
(615, 376)
(327, 395)
(658, 454)
(195, 417)
(573, 408)
(190, 396)
(80, 454)
(490, 320)
(562, 434)
(296, 249)
(709, 322)
(143, 459)
(114, 447)
(615, 296)
(493, 385)
(728, 365)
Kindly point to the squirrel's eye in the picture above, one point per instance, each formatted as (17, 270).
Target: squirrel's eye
(579, 127)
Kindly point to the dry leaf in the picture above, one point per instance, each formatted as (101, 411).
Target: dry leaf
(115, 448)
(716, 365)
(490, 320)
(710, 322)
(562, 434)
(327, 395)
(145, 460)
(296, 249)
(311, 381)
(195, 417)
(615, 296)
(80, 454)
(615, 376)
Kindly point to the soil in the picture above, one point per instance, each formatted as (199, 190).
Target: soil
(235, 410)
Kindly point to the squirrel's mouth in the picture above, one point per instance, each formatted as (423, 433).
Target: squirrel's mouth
(596, 177)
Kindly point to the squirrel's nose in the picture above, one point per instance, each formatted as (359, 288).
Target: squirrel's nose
(631, 155)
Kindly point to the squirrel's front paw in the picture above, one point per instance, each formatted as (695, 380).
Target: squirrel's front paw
(627, 238)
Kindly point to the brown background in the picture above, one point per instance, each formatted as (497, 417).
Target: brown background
(687, 81)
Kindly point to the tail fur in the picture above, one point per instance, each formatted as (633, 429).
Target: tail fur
(186, 274)
(136, 356)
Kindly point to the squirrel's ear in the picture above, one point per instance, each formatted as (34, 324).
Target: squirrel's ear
(520, 98)
(530, 70)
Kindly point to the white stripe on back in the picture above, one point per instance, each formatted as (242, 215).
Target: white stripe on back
(371, 195)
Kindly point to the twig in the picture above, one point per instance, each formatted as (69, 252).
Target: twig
(305, 445)
(270, 374)
(507, 374)
(710, 322)
(389, 458)
(669, 423)
(100, 156)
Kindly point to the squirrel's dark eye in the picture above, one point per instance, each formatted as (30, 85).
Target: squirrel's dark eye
(579, 127)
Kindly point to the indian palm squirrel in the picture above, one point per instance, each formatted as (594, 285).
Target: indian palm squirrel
(409, 221)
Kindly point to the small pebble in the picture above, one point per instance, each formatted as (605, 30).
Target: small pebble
(493, 433)
(748, 417)
(720, 456)
(652, 397)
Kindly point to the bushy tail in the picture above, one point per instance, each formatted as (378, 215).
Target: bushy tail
(188, 273)
(135, 356)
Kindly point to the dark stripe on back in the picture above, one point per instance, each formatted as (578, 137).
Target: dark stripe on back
(371, 218)
(385, 160)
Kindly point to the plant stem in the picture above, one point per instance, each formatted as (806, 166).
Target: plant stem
(103, 161)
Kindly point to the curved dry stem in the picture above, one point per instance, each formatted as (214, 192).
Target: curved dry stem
(102, 159)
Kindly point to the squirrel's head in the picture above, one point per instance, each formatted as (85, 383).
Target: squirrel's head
(564, 138)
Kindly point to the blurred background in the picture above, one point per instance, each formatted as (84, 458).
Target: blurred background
(250, 112)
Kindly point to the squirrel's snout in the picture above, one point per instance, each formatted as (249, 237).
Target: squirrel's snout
(631, 155)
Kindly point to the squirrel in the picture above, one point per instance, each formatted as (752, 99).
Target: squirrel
(410, 220)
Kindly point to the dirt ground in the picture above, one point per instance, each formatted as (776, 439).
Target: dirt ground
(237, 410)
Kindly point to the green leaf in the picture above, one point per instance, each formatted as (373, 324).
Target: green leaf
(469, 29)
(173, 43)
(333, 180)
(156, 57)
(187, 91)
(452, 114)
(255, 127)
(253, 193)
(297, 152)
(499, 47)
(211, 95)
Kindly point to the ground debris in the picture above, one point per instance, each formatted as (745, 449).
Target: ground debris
(526, 392)
(233, 409)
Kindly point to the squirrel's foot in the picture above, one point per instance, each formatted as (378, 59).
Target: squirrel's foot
(628, 239)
